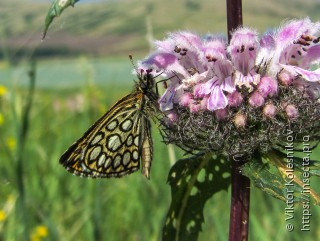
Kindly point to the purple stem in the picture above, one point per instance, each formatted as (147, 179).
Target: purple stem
(240, 201)
(234, 15)
(240, 185)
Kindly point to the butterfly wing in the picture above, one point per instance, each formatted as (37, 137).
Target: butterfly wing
(114, 145)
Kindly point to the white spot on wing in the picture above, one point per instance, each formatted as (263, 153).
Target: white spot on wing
(108, 162)
(101, 159)
(136, 140)
(117, 161)
(96, 139)
(95, 153)
(135, 155)
(112, 125)
(126, 158)
(114, 142)
(126, 125)
(129, 140)
(84, 167)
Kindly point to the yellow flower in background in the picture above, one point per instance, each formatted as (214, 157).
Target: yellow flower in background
(34, 237)
(2, 215)
(3, 90)
(42, 231)
(11, 143)
(39, 232)
(1, 119)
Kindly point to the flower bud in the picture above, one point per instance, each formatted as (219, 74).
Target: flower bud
(292, 112)
(256, 99)
(185, 99)
(172, 116)
(204, 103)
(234, 99)
(194, 108)
(269, 110)
(221, 114)
(240, 120)
(267, 87)
(285, 78)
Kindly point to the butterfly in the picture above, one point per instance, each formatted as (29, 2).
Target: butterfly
(117, 143)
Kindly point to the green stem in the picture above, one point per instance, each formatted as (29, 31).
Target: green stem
(97, 231)
(22, 136)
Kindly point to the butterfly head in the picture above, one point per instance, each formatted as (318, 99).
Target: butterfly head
(146, 80)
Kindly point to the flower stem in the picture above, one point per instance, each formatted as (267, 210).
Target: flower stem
(240, 201)
(240, 185)
(234, 15)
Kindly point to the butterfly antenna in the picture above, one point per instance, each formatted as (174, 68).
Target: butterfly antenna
(139, 73)
(131, 60)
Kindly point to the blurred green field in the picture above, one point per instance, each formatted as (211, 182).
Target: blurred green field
(72, 93)
(117, 28)
(60, 206)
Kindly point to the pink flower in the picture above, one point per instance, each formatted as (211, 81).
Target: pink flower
(208, 74)
(215, 58)
(215, 88)
(170, 95)
(297, 49)
(243, 50)
(235, 98)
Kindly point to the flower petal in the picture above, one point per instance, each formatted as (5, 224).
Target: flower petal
(312, 56)
(267, 47)
(247, 80)
(166, 100)
(243, 49)
(228, 85)
(292, 30)
(166, 62)
(207, 87)
(307, 75)
(217, 99)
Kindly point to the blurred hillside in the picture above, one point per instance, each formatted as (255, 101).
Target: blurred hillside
(120, 27)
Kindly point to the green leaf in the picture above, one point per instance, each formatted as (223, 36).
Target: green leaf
(265, 177)
(273, 177)
(299, 163)
(55, 10)
(193, 181)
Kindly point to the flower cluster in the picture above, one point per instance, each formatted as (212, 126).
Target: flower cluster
(239, 98)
